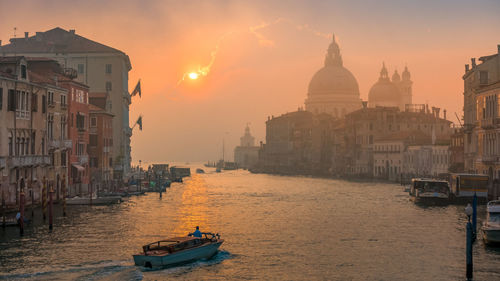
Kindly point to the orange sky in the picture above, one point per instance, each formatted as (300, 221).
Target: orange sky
(250, 81)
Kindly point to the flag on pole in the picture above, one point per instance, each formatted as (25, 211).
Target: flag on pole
(139, 122)
(137, 89)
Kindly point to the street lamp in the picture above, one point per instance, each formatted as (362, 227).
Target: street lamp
(468, 250)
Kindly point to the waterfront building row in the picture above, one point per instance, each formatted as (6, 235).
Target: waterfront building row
(44, 129)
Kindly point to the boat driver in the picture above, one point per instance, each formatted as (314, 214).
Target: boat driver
(197, 232)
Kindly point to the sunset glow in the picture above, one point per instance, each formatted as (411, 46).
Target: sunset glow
(193, 75)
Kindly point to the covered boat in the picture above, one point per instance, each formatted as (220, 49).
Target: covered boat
(491, 227)
(430, 191)
(178, 250)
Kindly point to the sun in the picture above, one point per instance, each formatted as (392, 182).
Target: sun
(193, 75)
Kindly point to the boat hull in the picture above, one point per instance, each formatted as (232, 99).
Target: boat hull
(491, 235)
(202, 252)
(432, 198)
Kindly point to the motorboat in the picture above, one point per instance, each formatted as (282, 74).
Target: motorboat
(178, 250)
(430, 191)
(200, 171)
(491, 227)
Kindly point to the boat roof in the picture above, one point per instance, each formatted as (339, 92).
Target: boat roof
(465, 174)
(429, 180)
(494, 206)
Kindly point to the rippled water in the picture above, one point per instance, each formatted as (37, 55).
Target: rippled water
(290, 228)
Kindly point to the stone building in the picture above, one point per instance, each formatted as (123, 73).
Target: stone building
(427, 161)
(333, 89)
(246, 155)
(102, 68)
(457, 150)
(365, 126)
(391, 93)
(24, 154)
(481, 116)
(100, 145)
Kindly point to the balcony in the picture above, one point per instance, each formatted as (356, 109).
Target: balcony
(106, 149)
(490, 159)
(29, 160)
(3, 163)
(64, 105)
(83, 159)
(60, 144)
(93, 130)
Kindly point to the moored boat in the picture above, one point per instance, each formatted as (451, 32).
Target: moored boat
(430, 191)
(200, 171)
(491, 227)
(178, 250)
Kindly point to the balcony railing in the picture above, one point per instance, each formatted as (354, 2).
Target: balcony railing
(106, 149)
(29, 160)
(60, 144)
(93, 130)
(83, 159)
(490, 159)
(3, 163)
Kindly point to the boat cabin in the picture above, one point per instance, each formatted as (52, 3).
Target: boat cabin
(429, 186)
(465, 185)
(172, 245)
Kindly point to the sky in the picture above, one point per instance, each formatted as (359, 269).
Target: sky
(260, 56)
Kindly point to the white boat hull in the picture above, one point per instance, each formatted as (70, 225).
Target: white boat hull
(202, 252)
(95, 201)
(491, 235)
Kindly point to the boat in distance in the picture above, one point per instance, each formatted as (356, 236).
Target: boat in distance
(430, 191)
(491, 227)
(178, 250)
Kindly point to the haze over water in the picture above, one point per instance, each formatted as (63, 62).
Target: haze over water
(275, 227)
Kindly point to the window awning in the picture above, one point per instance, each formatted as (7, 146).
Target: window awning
(78, 167)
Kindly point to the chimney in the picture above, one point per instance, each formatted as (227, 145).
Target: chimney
(72, 31)
(26, 35)
(473, 60)
(444, 113)
(466, 68)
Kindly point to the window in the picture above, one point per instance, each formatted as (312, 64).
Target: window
(93, 140)
(43, 146)
(63, 100)
(109, 86)
(63, 158)
(80, 68)
(44, 104)
(23, 71)
(50, 127)
(80, 121)
(11, 148)
(483, 77)
(1, 98)
(33, 142)
(93, 122)
(108, 68)
(50, 99)
(11, 103)
(34, 102)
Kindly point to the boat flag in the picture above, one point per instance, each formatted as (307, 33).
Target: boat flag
(139, 121)
(137, 89)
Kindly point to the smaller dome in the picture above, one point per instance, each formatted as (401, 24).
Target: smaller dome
(395, 77)
(384, 93)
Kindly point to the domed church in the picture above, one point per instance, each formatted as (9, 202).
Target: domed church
(333, 89)
(395, 93)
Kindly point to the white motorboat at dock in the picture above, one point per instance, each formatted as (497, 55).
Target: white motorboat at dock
(178, 250)
(491, 227)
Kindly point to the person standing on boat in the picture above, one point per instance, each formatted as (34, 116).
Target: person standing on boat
(197, 232)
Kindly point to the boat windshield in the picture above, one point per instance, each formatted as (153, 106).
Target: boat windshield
(432, 186)
(494, 218)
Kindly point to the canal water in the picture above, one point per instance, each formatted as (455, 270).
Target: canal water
(275, 228)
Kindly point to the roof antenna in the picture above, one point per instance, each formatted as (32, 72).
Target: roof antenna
(15, 29)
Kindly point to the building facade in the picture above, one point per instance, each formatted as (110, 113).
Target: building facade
(101, 145)
(102, 68)
(481, 116)
(24, 154)
(246, 155)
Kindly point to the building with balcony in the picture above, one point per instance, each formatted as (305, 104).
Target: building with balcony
(102, 68)
(101, 145)
(24, 114)
(481, 115)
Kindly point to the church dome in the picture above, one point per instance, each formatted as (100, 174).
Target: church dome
(384, 92)
(333, 78)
